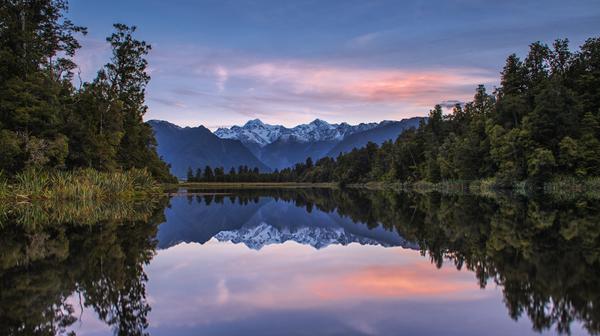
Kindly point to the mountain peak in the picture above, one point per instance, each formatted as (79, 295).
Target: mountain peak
(254, 122)
(255, 132)
(319, 122)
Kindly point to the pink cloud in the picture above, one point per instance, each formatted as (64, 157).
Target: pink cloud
(421, 87)
(412, 280)
(226, 87)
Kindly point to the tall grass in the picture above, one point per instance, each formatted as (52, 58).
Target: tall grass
(4, 191)
(84, 184)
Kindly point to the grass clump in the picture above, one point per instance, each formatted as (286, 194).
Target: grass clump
(4, 191)
(83, 184)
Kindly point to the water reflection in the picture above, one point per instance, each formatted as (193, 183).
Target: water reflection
(257, 219)
(45, 258)
(308, 261)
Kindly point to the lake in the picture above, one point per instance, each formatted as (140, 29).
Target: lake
(302, 262)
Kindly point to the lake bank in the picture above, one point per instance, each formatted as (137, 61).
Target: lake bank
(243, 185)
(88, 184)
(563, 187)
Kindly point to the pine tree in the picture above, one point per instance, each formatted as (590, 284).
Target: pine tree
(208, 174)
(190, 174)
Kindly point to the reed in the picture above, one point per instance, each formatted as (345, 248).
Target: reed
(83, 184)
(4, 191)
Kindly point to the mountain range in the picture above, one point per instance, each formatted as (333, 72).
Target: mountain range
(268, 147)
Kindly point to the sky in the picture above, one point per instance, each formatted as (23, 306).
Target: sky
(224, 62)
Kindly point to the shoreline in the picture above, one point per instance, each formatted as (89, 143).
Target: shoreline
(91, 185)
(560, 188)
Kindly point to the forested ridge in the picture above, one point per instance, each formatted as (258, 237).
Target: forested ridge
(541, 123)
(47, 122)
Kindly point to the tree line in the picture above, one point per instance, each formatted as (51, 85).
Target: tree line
(542, 122)
(46, 122)
(245, 174)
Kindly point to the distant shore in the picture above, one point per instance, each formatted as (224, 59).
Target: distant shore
(240, 185)
(561, 187)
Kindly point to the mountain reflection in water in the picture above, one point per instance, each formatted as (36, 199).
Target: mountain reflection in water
(302, 261)
(260, 221)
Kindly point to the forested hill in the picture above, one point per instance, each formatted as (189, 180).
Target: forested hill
(48, 123)
(542, 123)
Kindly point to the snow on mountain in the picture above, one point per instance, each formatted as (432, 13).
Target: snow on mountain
(256, 237)
(254, 131)
(257, 132)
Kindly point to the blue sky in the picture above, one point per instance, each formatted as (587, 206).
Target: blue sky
(219, 63)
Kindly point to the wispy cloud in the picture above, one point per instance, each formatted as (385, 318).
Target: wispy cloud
(317, 82)
(168, 102)
(220, 87)
(364, 40)
(227, 89)
(221, 75)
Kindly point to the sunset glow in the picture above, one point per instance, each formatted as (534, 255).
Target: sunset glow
(223, 63)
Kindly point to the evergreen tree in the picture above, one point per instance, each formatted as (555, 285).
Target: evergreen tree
(128, 79)
(208, 174)
(36, 48)
(190, 174)
(45, 122)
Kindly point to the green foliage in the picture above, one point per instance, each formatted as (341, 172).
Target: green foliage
(45, 122)
(540, 164)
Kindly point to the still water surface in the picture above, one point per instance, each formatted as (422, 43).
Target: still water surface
(308, 262)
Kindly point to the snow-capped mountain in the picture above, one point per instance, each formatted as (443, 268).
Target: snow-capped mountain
(256, 237)
(257, 132)
(254, 131)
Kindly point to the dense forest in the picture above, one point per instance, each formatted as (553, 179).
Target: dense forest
(543, 122)
(47, 122)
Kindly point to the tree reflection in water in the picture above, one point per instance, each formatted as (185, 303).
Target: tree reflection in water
(101, 258)
(544, 253)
